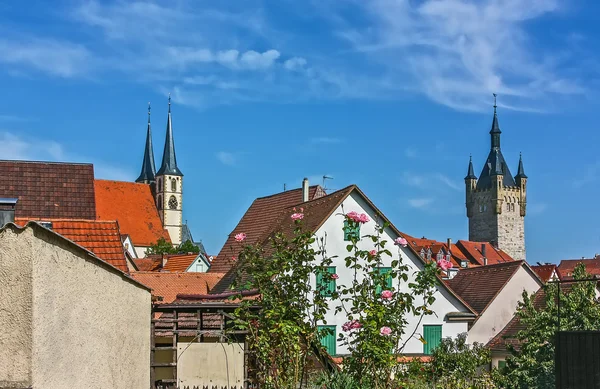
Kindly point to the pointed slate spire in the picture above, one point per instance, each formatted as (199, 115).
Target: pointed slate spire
(521, 170)
(169, 161)
(470, 173)
(148, 169)
(495, 131)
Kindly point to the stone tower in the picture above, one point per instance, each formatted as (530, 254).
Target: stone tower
(496, 201)
(169, 188)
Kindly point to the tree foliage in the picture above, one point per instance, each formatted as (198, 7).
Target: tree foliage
(163, 247)
(188, 247)
(532, 364)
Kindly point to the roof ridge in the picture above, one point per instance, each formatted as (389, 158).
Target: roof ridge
(120, 181)
(492, 266)
(47, 162)
(286, 191)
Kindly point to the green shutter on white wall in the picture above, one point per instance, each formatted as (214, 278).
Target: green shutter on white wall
(349, 233)
(328, 338)
(388, 279)
(325, 283)
(433, 336)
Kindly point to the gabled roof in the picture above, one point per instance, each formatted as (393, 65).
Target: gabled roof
(479, 286)
(49, 189)
(101, 237)
(545, 272)
(567, 266)
(179, 263)
(132, 205)
(148, 264)
(257, 220)
(316, 212)
(169, 285)
(78, 249)
(474, 251)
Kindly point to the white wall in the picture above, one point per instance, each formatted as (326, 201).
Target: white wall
(503, 307)
(198, 266)
(336, 246)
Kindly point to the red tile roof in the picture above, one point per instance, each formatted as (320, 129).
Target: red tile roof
(257, 220)
(132, 205)
(169, 285)
(148, 264)
(567, 266)
(101, 237)
(545, 271)
(473, 251)
(179, 263)
(49, 189)
(478, 286)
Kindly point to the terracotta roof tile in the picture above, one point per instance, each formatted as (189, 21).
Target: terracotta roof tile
(148, 264)
(257, 220)
(169, 285)
(49, 189)
(473, 250)
(101, 237)
(478, 286)
(132, 205)
(544, 271)
(179, 263)
(567, 266)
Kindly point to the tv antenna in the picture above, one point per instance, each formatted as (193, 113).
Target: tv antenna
(326, 177)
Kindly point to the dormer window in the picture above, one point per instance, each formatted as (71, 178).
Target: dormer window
(464, 264)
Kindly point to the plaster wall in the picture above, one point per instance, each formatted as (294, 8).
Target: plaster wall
(502, 309)
(445, 303)
(15, 311)
(90, 323)
(212, 364)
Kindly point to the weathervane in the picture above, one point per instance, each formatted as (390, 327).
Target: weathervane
(495, 106)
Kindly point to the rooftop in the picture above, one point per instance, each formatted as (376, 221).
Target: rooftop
(169, 285)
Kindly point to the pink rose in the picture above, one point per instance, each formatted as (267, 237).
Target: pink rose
(354, 216)
(233, 258)
(351, 325)
(240, 237)
(401, 242)
(334, 276)
(444, 265)
(373, 253)
(297, 216)
(385, 331)
(387, 294)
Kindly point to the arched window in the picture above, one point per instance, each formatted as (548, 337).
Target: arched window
(480, 208)
(173, 202)
(173, 185)
(159, 202)
(484, 207)
(508, 206)
(158, 185)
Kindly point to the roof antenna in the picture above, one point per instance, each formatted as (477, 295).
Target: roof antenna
(495, 105)
(284, 188)
(170, 102)
(326, 177)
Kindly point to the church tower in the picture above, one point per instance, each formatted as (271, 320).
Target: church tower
(147, 176)
(496, 202)
(169, 187)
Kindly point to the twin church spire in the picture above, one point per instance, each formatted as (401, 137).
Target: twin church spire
(169, 160)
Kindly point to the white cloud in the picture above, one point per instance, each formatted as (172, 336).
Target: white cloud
(295, 64)
(254, 60)
(325, 139)
(448, 182)
(226, 158)
(420, 202)
(57, 58)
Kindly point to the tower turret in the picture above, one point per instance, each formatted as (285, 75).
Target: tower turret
(169, 187)
(493, 199)
(148, 173)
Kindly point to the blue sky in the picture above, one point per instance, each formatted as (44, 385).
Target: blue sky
(392, 95)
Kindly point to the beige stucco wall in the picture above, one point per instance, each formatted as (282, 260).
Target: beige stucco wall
(91, 324)
(15, 312)
(503, 307)
(212, 364)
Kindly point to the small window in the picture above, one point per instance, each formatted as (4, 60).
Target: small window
(507, 206)
(159, 202)
(325, 283)
(501, 365)
(327, 335)
(464, 264)
(350, 232)
(480, 208)
(484, 207)
(159, 185)
(432, 334)
(173, 185)
(388, 282)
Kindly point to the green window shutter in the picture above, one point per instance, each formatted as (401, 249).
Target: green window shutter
(328, 338)
(502, 365)
(433, 336)
(325, 283)
(351, 232)
(388, 279)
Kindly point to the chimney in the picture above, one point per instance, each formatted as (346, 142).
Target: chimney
(7, 210)
(449, 243)
(483, 253)
(305, 190)
(164, 260)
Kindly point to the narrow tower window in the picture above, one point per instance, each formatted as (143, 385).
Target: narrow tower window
(159, 202)
(159, 185)
(173, 185)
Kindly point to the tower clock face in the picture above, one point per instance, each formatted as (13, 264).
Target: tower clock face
(173, 202)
